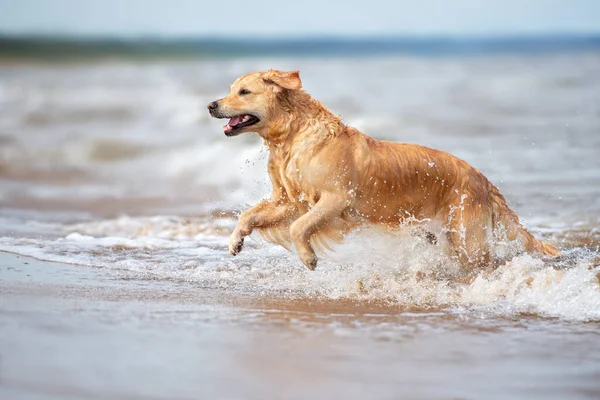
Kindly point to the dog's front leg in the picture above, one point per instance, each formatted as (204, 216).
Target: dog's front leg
(329, 207)
(265, 214)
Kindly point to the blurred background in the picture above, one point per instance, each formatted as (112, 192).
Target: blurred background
(109, 159)
(102, 103)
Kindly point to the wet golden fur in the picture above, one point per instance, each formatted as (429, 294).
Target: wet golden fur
(328, 178)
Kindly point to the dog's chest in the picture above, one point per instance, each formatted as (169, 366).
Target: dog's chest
(291, 175)
(293, 179)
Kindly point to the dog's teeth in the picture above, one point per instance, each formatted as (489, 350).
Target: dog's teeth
(246, 118)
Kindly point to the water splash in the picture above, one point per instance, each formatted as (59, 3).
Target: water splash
(399, 269)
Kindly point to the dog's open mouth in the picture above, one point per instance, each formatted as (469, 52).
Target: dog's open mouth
(238, 122)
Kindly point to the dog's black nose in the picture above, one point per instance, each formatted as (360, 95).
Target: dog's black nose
(213, 105)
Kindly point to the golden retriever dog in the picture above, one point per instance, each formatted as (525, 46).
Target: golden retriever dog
(328, 178)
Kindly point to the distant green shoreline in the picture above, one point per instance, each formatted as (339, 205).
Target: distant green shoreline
(58, 48)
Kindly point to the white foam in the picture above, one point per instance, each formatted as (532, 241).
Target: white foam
(369, 265)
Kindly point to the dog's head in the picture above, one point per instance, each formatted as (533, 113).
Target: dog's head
(253, 100)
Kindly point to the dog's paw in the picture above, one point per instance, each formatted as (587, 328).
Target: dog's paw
(235, 245)
(309, 261)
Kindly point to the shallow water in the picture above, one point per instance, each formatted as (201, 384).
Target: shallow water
(117, 165)
(70, 332)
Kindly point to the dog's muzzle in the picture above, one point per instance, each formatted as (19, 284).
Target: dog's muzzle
(212, 108)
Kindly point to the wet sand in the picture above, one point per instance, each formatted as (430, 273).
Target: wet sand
(79, 332)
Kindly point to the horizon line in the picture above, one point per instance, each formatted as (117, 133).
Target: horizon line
(304, 36)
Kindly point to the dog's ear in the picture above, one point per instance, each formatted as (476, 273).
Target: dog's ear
(287, 80)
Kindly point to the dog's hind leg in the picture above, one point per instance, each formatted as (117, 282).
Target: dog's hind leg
(328, 208)
(469, 230)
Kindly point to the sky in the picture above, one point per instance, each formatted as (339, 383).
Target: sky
(168, 18)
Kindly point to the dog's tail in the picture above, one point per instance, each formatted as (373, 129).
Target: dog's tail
(504, 218)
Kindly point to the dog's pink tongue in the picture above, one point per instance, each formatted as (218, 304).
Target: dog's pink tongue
(234, 121)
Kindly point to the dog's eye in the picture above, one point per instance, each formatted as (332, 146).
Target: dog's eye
(243, 92)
